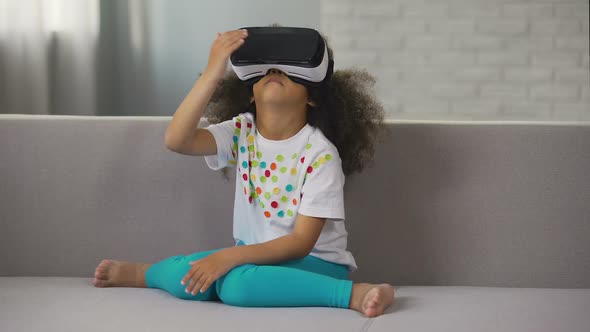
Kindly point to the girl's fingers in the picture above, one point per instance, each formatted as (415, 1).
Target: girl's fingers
(194, 280)
(229, 43)
(230, 48)
(206, 285)
(187, 277)
(199, 284)
(231, 37)
(236, 45)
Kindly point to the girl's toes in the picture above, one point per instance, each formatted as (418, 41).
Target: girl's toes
(99, 282)
(104, 264)
(100, 273)
(371, 312)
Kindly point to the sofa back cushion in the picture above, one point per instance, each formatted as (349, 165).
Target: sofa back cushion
(443, 204)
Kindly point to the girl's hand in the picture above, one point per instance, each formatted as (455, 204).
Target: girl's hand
(223, 46)
(206, 270)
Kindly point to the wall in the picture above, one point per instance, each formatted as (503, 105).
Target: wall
(468, 59)
(160, 47)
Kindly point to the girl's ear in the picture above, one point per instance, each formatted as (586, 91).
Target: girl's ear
(251, 99)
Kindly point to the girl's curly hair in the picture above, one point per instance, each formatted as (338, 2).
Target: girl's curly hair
(346, 111)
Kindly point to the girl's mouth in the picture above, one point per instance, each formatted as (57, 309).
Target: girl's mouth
(275, 80)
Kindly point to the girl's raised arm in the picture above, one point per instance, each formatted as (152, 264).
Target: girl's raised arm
(182, 135)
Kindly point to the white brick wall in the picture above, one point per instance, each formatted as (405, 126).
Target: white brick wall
(467, 59)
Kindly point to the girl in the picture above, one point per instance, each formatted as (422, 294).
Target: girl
(291, 146)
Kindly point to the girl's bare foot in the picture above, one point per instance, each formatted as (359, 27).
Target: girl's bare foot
(111, 273)
(371, 300)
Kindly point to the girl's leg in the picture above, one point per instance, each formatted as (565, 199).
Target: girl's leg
(291, 284)
(315, 265)
(304, 282)
(165, 274)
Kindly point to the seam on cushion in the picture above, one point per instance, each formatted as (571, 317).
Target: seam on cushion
(367, 325)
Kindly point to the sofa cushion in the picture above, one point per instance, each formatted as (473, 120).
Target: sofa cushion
(74, 304)
(462, 204)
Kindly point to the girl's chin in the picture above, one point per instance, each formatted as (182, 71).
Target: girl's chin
(273, 96)
(277, 102)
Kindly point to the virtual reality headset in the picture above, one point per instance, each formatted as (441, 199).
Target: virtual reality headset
(300, 53)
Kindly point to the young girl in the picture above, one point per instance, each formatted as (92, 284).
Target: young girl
(291, 146)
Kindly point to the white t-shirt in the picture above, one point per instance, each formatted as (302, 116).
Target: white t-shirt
(277, 179)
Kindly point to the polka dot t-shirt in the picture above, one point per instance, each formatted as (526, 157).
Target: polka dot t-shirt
(275, 180)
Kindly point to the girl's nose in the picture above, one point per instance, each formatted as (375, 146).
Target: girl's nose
(274, 71)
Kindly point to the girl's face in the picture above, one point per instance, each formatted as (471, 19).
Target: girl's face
(276, 88)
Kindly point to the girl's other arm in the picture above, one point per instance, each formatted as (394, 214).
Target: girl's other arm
(296, 245)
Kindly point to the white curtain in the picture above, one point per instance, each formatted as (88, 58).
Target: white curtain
(48, 56)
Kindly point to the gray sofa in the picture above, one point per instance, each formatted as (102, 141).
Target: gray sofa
(479, 226)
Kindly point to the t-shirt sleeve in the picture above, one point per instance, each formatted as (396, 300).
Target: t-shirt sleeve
(223, 133)
(323, 188)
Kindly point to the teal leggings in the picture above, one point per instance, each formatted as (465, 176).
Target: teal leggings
(306, 282)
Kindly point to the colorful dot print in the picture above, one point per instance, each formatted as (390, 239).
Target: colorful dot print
(270, 183)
